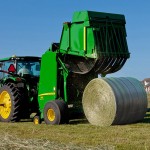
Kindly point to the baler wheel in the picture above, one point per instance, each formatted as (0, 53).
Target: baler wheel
(55, 112)
(9, 103)
(37, 120)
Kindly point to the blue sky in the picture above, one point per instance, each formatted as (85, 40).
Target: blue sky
(28, 27)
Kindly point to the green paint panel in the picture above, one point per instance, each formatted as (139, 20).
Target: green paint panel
(65, 35)
(77, 38)
(48, 79)
(72, 39)
(5, 59)
(90, 52)
(92, 15)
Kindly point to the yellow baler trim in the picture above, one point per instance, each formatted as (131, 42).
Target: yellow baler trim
(84, 39)
(47, 94)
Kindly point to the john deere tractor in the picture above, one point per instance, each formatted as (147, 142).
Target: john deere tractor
(93, 44)
(18, 87)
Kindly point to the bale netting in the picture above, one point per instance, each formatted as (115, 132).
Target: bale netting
(114, 101)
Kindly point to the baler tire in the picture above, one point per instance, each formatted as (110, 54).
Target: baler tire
(37, 120)
(9, 103)
(64, 111)
(56, 112)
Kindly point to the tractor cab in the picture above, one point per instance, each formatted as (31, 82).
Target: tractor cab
(19, 77)
(24, 67)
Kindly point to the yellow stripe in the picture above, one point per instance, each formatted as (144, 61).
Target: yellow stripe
(84, 39)
(46, 94)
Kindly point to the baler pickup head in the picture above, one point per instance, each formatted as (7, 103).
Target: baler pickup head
(94, 41)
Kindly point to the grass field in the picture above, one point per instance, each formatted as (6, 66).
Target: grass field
(78, 135)
(26, 135)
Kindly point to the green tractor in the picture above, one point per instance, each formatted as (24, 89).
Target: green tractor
(93, 44)
(19, 77)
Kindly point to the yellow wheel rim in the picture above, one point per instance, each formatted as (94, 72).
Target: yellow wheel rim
(36, 121)
(5, 104)
(51, 114)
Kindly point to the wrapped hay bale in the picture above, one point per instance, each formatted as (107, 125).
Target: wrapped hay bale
(114, 101)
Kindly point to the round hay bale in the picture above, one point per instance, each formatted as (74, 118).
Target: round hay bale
(109, 101)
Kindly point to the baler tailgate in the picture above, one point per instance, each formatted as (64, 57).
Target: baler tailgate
(94, 41)
(111, 47)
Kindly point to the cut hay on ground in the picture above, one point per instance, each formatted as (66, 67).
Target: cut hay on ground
(9, 142)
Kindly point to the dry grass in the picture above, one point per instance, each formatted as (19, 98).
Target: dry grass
(14, 143)
(27, 136)
(78, 135)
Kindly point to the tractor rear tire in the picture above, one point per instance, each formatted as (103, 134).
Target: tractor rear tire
(56, 112)
(9, 103)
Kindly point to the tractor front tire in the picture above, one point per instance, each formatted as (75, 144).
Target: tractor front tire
(56, 112)
(9, 103)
